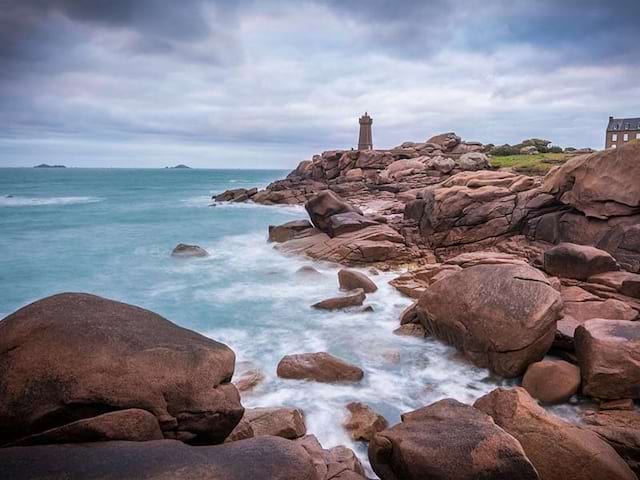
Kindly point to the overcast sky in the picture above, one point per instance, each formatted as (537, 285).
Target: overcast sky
(250, 84)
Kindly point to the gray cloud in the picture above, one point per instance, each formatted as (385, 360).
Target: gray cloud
(281, 79)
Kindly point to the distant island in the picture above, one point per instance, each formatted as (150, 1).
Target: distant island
(44, 165)
(179, 166)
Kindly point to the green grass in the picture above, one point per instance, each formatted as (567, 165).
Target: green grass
(538, 164)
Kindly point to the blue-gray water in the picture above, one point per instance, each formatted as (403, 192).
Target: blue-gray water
(110, 232)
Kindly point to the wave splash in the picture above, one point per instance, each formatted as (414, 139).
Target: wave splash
(19, 201)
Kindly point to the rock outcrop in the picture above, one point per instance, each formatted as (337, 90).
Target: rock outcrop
(609, 356)
(558, 450)
(448, 440)
(598, 204)
(74, 357)
(320, 366)
(487, 304)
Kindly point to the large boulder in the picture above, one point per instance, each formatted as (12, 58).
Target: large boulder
(448, 440)
(557, 449)
(324, 205)
(352, 280)
(353, 298)
(609, 356)
(473, 161)
(478, 309)
(319, 366)
(552, 381)
(75, 356)
(257, 458)
(601, 185)
(577, 261)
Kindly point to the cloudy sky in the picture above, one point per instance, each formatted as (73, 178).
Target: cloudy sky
(266, 83)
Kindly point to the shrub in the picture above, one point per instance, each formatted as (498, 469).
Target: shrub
(555, 149)
(504, 150)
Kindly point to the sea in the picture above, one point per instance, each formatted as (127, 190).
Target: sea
(110, 232)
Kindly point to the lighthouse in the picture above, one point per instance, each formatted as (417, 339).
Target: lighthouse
(365, 142)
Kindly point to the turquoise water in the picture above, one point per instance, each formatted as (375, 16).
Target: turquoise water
(110, 232)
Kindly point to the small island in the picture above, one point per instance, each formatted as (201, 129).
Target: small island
(181, 166)
(45, 165)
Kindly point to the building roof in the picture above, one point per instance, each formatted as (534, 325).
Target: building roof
(620, 124)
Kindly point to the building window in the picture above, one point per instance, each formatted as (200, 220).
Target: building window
(626, 137)
(614, 137)
(627, 126)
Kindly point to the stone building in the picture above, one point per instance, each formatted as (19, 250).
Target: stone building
(365, 141)
(621, 131)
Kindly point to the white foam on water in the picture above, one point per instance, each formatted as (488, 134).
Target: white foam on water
(19, 201)
(294, 209)
(401, 373)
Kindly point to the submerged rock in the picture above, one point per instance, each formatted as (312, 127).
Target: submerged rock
(185, 250)
(320, 366)
(75, 356)
(448, 440)
(249, 380)
(363, 423)
(558, 450)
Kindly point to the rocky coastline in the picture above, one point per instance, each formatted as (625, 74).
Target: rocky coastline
(545, 273)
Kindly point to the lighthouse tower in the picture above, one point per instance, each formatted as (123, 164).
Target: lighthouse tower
(365, 142)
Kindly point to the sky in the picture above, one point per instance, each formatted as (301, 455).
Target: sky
(268, 83)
